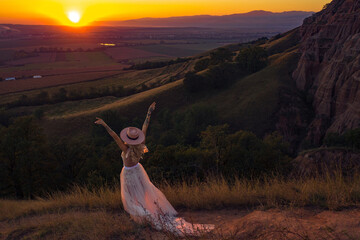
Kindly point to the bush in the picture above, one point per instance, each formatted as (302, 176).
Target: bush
(350, 139)
(221, 76)
(243, 153)
(152, 65)
(39, 113)
(194, 82)
(218, 77)
(60, 96)
(174, 163)
(26, 159)
(252, 59)
(220, 55)
(202, 64)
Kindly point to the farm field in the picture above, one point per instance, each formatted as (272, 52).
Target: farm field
(50, 81)
(72, 60)
(6, 54)
(179, 50)
(130, 53)
(32, 43)
(126, 79)
(61, 71)
(41, 58)
(67, 108)
(60, 63)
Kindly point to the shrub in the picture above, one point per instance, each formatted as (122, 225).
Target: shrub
(194, 82)
(243, 153)
(252, 59)
(25, 156)
(350, 139)
(201, 64)
(152, 65)
(60, 96)
(39, 113)
(220, 55)
(221, 76)
(217, 77)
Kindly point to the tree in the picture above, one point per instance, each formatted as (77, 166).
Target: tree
(214, 139)
(194, 82)
(221, 76)
(60, 96)
(202, 64)
(71, 156)
(220, 55)
(25, 157)
(42, 98)
(252, 59)
(39, 113)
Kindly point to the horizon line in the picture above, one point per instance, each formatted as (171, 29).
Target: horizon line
(179, 16)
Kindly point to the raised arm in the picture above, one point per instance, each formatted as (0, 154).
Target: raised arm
(117, 139)
(147, 119)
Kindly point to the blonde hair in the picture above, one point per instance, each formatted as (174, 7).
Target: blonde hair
(136, 152)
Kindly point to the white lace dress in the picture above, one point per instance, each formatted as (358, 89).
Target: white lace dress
(144, 202)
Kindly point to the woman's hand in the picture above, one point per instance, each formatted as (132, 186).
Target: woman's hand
(99, 121)
(151, 108)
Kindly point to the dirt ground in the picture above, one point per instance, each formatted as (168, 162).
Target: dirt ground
(296, 224)
(281, 224)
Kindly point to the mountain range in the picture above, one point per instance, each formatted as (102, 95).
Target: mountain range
(254, 19)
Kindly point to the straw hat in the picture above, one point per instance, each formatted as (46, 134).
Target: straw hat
(132, 136)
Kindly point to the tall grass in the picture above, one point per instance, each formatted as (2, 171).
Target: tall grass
(331, 192)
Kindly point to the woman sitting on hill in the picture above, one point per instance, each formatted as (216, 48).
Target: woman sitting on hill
(140, 198)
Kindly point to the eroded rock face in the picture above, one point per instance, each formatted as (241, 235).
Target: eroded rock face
(323, 162)
(329, 68)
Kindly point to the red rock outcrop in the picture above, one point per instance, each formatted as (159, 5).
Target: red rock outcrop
(329, 68)
(326, 161)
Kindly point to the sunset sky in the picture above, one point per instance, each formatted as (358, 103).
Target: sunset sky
(56, 11)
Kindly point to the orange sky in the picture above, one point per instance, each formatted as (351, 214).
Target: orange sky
(55, 11)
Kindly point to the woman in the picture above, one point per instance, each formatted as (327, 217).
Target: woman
(141, 199)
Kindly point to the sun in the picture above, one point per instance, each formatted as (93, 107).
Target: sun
(74, 16)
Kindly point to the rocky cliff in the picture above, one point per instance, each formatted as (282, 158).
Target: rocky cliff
(326, 161)
(328, 71)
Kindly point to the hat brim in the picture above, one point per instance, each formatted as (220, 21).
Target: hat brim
(127, 140)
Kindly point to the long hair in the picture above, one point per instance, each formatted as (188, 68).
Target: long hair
(136, 152)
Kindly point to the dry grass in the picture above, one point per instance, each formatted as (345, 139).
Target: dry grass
(332, 193)
(78, 198)
(97, 214)
(328, 192)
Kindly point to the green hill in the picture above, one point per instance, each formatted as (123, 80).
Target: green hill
(249, 103)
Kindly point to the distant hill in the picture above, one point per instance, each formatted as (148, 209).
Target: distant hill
(254, 19)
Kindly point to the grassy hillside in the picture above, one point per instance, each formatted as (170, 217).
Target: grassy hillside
(68, 121)
(250, 103)
(247, 104)
(240, 105)
(283, 42)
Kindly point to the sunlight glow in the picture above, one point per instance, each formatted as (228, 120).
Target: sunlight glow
(74, 16)
(79, 13)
